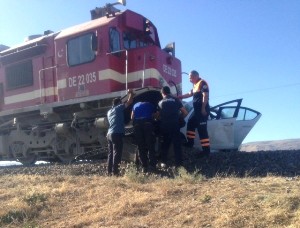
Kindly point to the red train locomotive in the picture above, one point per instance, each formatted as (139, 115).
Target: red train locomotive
(55, 87)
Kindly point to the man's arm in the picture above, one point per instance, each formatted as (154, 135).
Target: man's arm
(187, 95)
(157, 114)
(204, 103)
(183, 111)
(130, 98)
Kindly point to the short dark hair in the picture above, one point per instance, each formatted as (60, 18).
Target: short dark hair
(116, 101)
(194, 72)
(166, 90)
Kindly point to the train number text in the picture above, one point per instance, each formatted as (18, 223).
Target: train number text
(82, 79)
(169, 70)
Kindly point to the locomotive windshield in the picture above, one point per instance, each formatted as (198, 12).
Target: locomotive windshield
(129, 40)
(132, 40)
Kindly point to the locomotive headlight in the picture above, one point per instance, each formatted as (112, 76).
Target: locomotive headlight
(83, 105)
(102, 123)
(62, 129)
(147, 26)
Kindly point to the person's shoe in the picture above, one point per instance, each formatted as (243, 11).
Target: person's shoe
(188, 145)
(204, 154)
(144, 169)
(116, 173)
(162, 165)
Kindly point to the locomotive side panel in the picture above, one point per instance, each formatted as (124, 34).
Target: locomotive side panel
(25, 81)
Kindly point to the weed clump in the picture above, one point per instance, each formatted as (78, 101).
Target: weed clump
(35, 202)
(135, 175)
(181, 174)
(35, 199)
(12, 216)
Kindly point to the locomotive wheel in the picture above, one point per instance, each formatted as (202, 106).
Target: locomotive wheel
(22, 154)
(68, 155)
(66, 158)
(28, 160)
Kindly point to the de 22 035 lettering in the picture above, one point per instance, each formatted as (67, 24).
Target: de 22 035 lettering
(169, 70)
(82, 79)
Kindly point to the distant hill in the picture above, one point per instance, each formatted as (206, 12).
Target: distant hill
(287, 144)
(3, 47)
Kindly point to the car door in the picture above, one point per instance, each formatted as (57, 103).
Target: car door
(221, 125)
(245, 121)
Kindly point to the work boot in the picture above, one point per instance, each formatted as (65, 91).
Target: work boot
(162, 165)
(205, 153)
(144, 170)
(189, 144)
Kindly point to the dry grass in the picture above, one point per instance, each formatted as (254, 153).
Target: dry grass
(189, 200)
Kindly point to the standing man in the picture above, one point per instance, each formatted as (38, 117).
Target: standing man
(200, 93)
(142, 116)
(170, 107)
(116, 132)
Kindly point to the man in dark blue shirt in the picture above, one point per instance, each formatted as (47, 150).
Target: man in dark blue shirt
(142, 116)
(115, 133)
(170, 108)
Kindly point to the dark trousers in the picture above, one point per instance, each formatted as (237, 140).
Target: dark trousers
(145, 139)
(115, 147)
(171, 134)
(199, 122)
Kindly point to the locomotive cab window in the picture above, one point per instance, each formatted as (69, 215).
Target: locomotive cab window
(19, 75)
(114, 40)
(129, 40)
(80, 49)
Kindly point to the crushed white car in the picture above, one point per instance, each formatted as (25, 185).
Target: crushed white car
(228, 125)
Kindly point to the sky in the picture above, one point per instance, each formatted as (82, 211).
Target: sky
(246, 49)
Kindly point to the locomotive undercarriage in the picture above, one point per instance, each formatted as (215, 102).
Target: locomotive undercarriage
(68, 133)
(33, 137)
(52, 144)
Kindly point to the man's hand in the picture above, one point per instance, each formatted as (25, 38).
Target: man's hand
(130, 91)
(130, 97)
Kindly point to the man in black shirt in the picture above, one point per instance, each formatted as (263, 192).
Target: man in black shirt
(170, 107)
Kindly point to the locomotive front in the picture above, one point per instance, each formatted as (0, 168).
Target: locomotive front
(55, 86)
